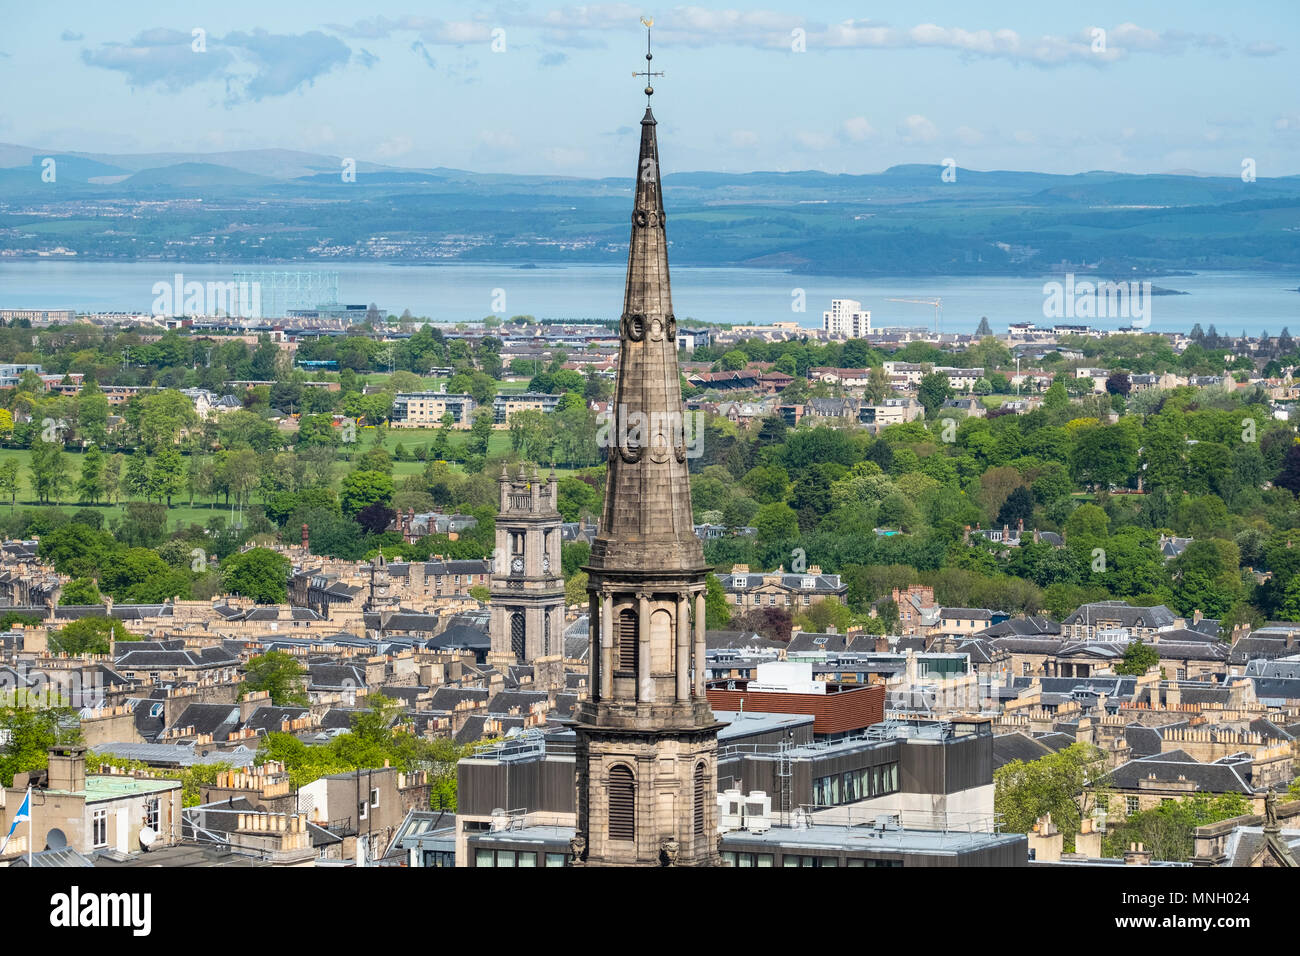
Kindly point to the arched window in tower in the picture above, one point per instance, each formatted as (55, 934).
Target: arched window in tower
(517, 646)
(622, 803)
(546, 632)
(701, 791)
(628, 633)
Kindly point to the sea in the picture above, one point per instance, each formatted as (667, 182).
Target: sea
(1233, 302)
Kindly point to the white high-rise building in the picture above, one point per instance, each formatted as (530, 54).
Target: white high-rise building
(847, 318)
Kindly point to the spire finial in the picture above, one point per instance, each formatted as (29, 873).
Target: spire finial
(647, 73)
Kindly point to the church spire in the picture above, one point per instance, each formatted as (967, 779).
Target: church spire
(647, 517)
(646, 739)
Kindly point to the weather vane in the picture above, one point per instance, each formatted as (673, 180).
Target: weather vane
(649, 90)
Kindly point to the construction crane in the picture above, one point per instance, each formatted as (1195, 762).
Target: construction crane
(936, 303)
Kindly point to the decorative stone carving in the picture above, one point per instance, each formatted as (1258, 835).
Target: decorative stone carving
(577, 849)
(668, 850)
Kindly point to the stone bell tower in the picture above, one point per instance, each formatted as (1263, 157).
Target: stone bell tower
(647, 740)
(527, 606)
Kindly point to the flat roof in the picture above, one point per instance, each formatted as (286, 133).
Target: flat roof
(817, 837)
(112, 786)
(867, 838)
(742, 723)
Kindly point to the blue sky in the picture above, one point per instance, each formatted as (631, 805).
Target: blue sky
(994, 86)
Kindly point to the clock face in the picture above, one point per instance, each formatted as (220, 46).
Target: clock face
(517, 565)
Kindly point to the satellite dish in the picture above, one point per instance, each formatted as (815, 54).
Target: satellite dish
(147, 837)
(55, 839)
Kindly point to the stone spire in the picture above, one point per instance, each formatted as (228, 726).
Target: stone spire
(646, 739)
(647, 518)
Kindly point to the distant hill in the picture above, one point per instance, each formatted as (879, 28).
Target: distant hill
(194, 174)
(283, 205)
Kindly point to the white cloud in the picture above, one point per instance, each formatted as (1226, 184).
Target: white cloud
(917, 129)
(858, 129)
(806, 139)
(968, 136)
(394, 147)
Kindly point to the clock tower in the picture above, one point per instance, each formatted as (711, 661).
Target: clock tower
(527, 584)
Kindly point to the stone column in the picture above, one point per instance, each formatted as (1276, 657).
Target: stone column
(699, 644)
(606, 647)
(683, 669)
(644, 682)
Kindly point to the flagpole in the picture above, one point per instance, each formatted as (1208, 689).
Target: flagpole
(29, 826)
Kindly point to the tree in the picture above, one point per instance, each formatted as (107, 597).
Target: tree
(1169, 829)
(280, 675)
(480, 432)
(164, 417)
(136, 481)
(933, 391)
(1289, 477)
(29, 734)
(1025, 791)
(91, 486)
(1138, 659)
(9, 480)
(1118, 383)
(1056, 396)
(363, 488)
(734, 361)
(89, 635)
(717, 612)
(575, 589)
(167, 476)
(1105, 455)
(259, 573)
(375, 518)
(92, 412)
(49, 470)
(80, 592)
(1018, 507)
(776, 522)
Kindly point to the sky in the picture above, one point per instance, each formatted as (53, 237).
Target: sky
(544, 87)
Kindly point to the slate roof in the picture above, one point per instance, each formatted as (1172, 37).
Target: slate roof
(446, 698)
(1016, 746)
(1128, 616)
(1022, 627)
(1217, 777)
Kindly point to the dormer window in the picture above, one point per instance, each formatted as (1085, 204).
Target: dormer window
(809, 584)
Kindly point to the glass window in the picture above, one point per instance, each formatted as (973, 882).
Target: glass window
(527, 858)
(1130, 804)
(482, 857)
(825, 861)
(505, 857)
(555, 859)
(789, 861)
(765, 859)
(153, 814)
(99, 827)
(744, 859)
(729, 858)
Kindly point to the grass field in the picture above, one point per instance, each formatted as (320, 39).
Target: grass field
(182, 513)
